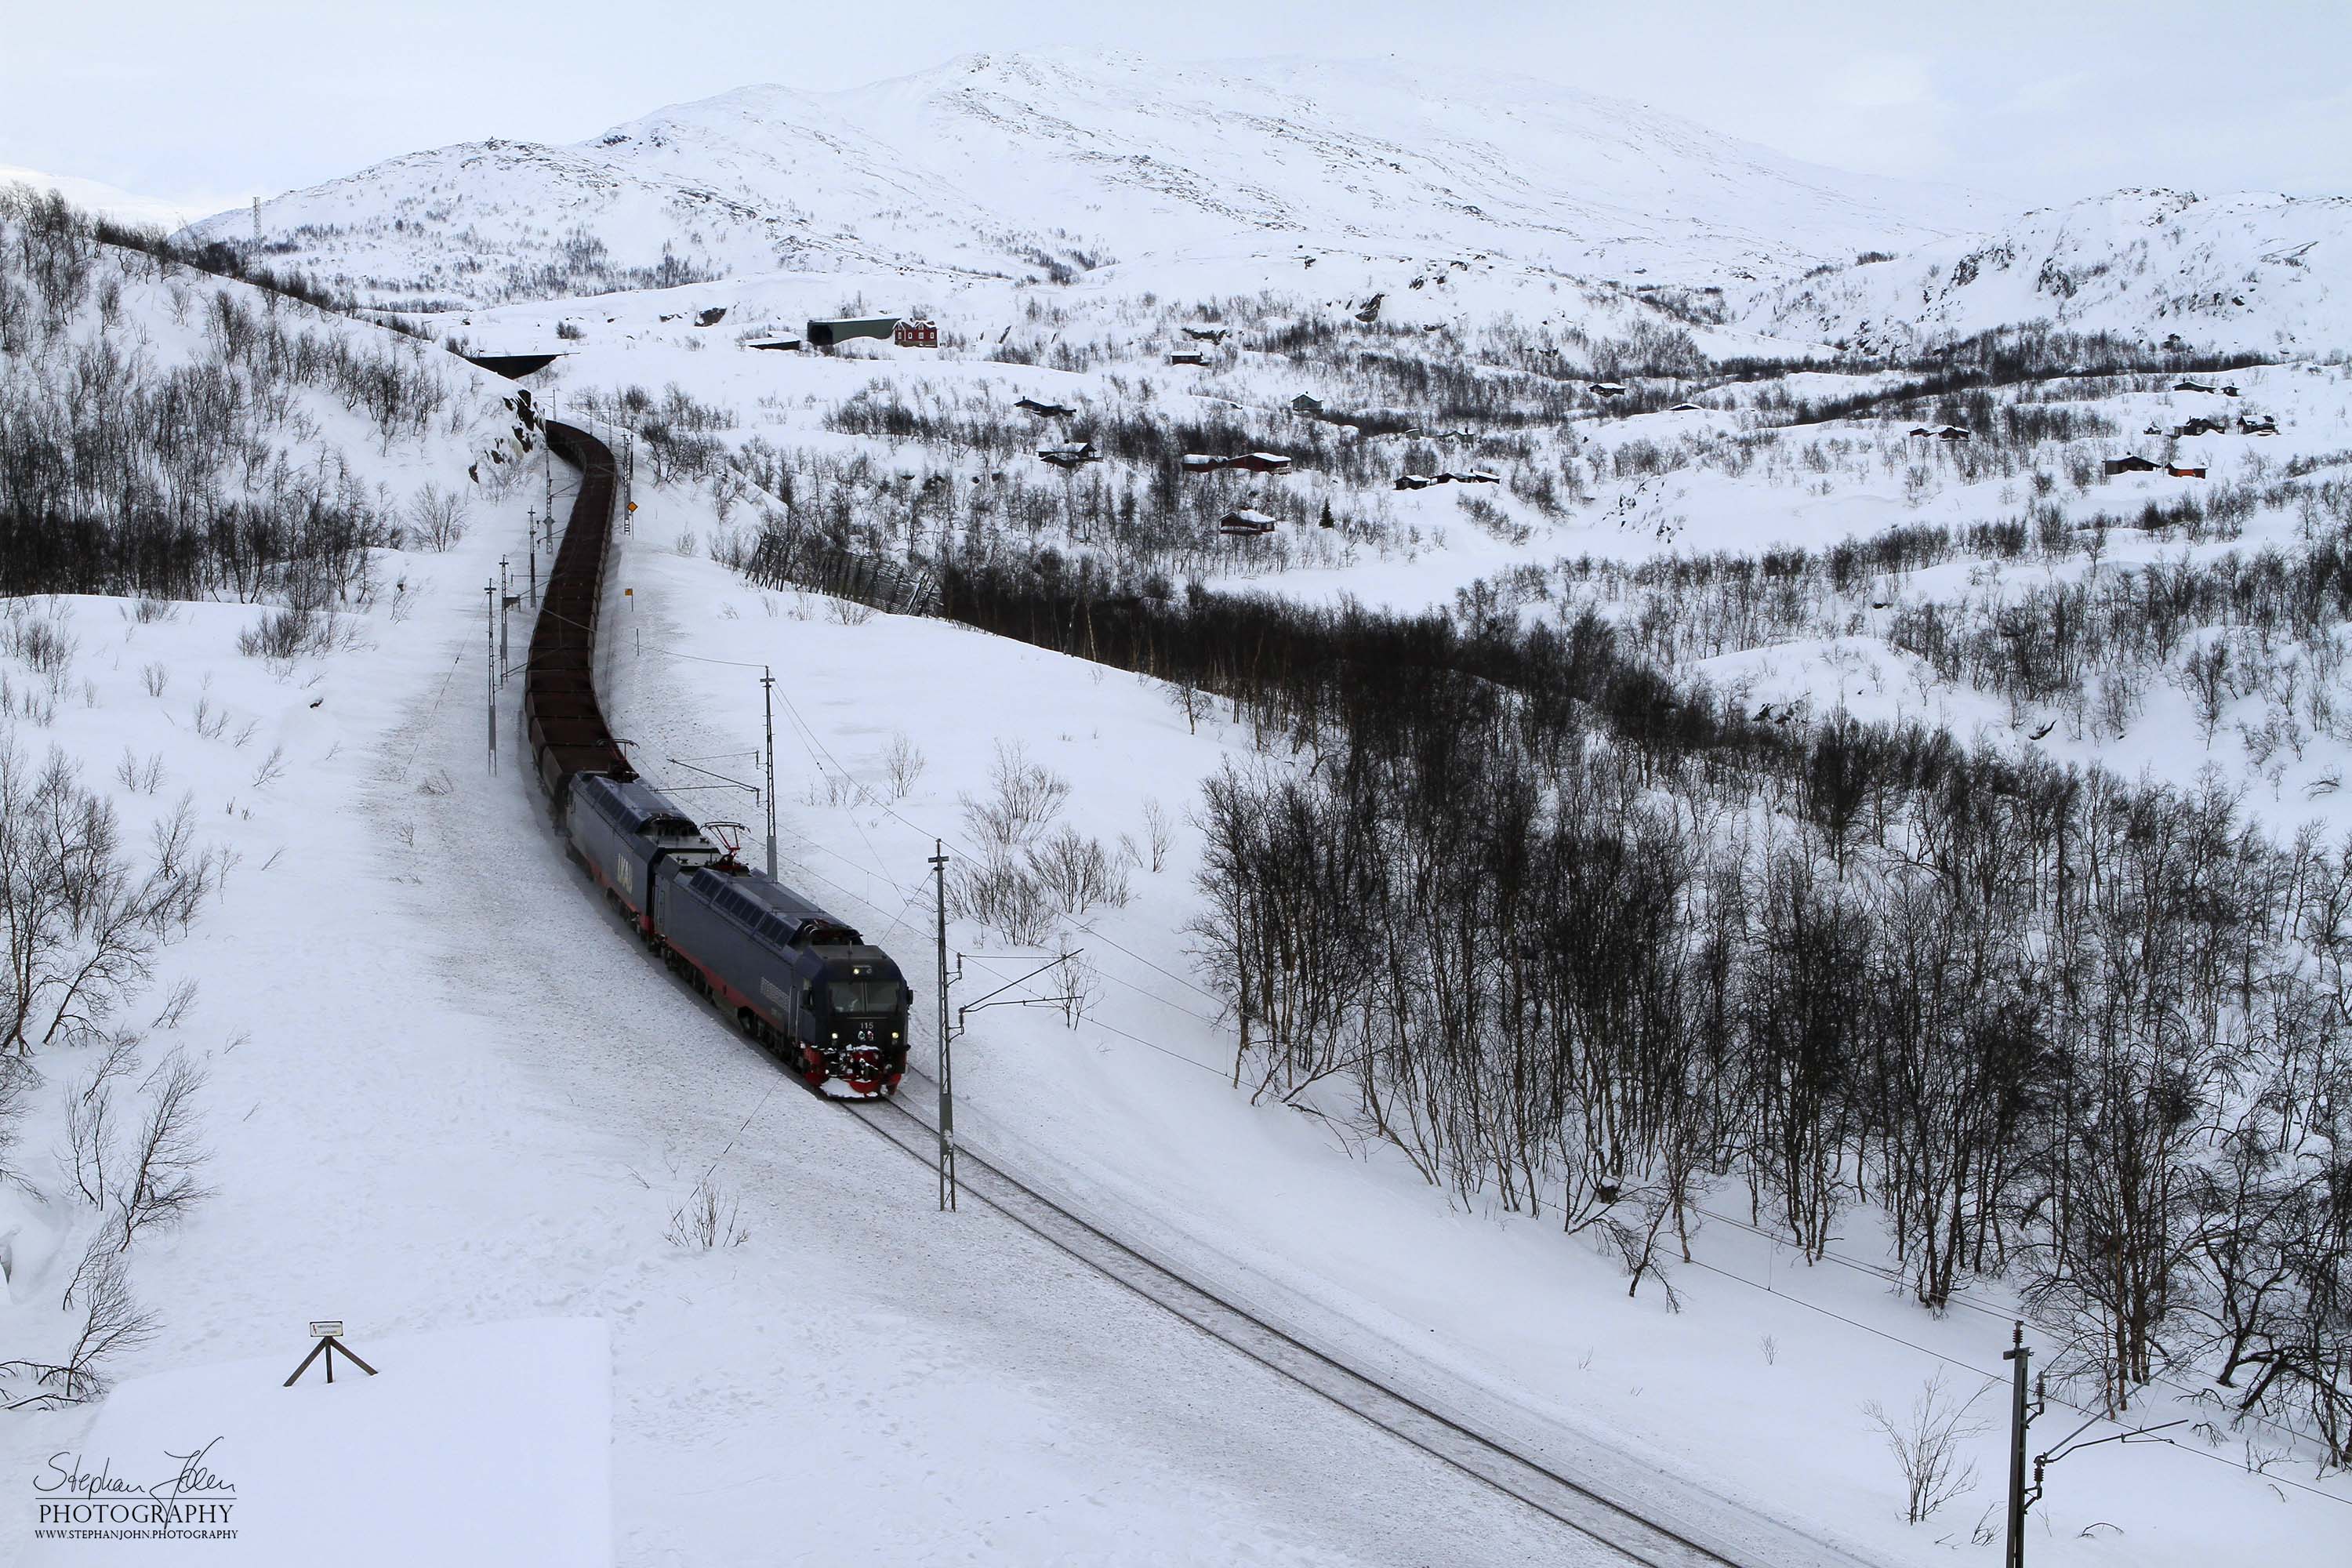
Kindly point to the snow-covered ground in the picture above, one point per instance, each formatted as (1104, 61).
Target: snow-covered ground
(484, 1444)
(167, 213)
(449, 1101)
(2252, 269)
(992, 164)
(1131, 1114)
(446, 1091)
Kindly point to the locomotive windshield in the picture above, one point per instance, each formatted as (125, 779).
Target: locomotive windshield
(864, 996)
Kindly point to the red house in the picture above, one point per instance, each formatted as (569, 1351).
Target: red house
(917, 335)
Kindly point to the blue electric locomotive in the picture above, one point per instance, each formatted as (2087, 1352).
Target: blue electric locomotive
(621, 829)
(794, 977)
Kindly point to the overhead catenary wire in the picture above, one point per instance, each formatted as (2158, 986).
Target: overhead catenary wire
(1895, 1277)
(818, 750)
(859, 898)
(813, 743)
(820, 754)
(1995, 1377)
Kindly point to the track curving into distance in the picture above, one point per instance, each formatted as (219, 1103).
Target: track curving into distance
(565, 726)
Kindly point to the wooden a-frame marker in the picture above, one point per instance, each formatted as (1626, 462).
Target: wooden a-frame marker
(327, 1330)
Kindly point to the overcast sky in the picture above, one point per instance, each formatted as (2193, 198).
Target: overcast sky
(2041, 103)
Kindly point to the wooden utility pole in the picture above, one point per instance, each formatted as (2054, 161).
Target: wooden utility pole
(490, 659)
(2018, 1355)
(768, 701)
(505, 598)
(947, 1093)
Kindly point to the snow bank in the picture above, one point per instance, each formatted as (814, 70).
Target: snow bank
(485, 1445)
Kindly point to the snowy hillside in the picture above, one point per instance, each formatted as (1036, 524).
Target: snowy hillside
(2254, 271)
(1527, 788)
(392, 1065)
(996, 164)
(111, 201)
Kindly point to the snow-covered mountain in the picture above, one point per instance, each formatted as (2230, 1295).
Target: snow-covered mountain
(112, 201)
(2255, 271)
(993, 163)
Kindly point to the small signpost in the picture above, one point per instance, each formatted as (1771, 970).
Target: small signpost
(327, 1331)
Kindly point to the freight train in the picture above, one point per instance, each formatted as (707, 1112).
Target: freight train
(803, 983)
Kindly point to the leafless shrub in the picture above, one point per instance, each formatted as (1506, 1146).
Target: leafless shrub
(685, 541)
(160, 1182)
(828, 788)
(903, 762)
(1028, 796)
(114, 1324)
(272, 768)
(28, 704)
(81, 930)
(1160, 831)
(847, 612)
(1004, 895)
(45, 647)
(175, 1006)
(1077, 873)
(146, 611)
(438, 517)
(1081, 984)
(155, 677)
(145, 777)
(17, 1080)
(707, 1220)
(90, 1122)
(296, 631)
(1926, 1445)
(733, 548)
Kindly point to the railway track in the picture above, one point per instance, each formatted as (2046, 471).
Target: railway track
(1452, 1441)
(566, 728)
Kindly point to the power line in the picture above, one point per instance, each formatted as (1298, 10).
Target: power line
(817, 748)
(1891, 1277)
(1994, 1377)
(1216, 1072)
(1093, 935)
(809, 741)
(802, 724)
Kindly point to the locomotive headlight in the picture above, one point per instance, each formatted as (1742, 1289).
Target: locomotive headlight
(837, 1034)
(894, 1034)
